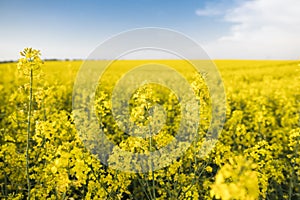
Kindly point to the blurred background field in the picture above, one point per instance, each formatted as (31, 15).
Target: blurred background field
(260, 139)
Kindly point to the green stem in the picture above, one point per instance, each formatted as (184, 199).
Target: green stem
(28, 135)
(4, 188)
(152, 164)
(143, 187)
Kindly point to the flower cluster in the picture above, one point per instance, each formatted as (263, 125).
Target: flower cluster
(256, 155)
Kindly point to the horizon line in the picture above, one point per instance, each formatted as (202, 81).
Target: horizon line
(215, 59)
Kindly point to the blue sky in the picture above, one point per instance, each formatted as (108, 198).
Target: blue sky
(227, 29)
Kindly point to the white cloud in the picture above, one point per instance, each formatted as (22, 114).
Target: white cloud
(262, 29)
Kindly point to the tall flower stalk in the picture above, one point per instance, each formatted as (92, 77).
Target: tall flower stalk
(29, 65)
